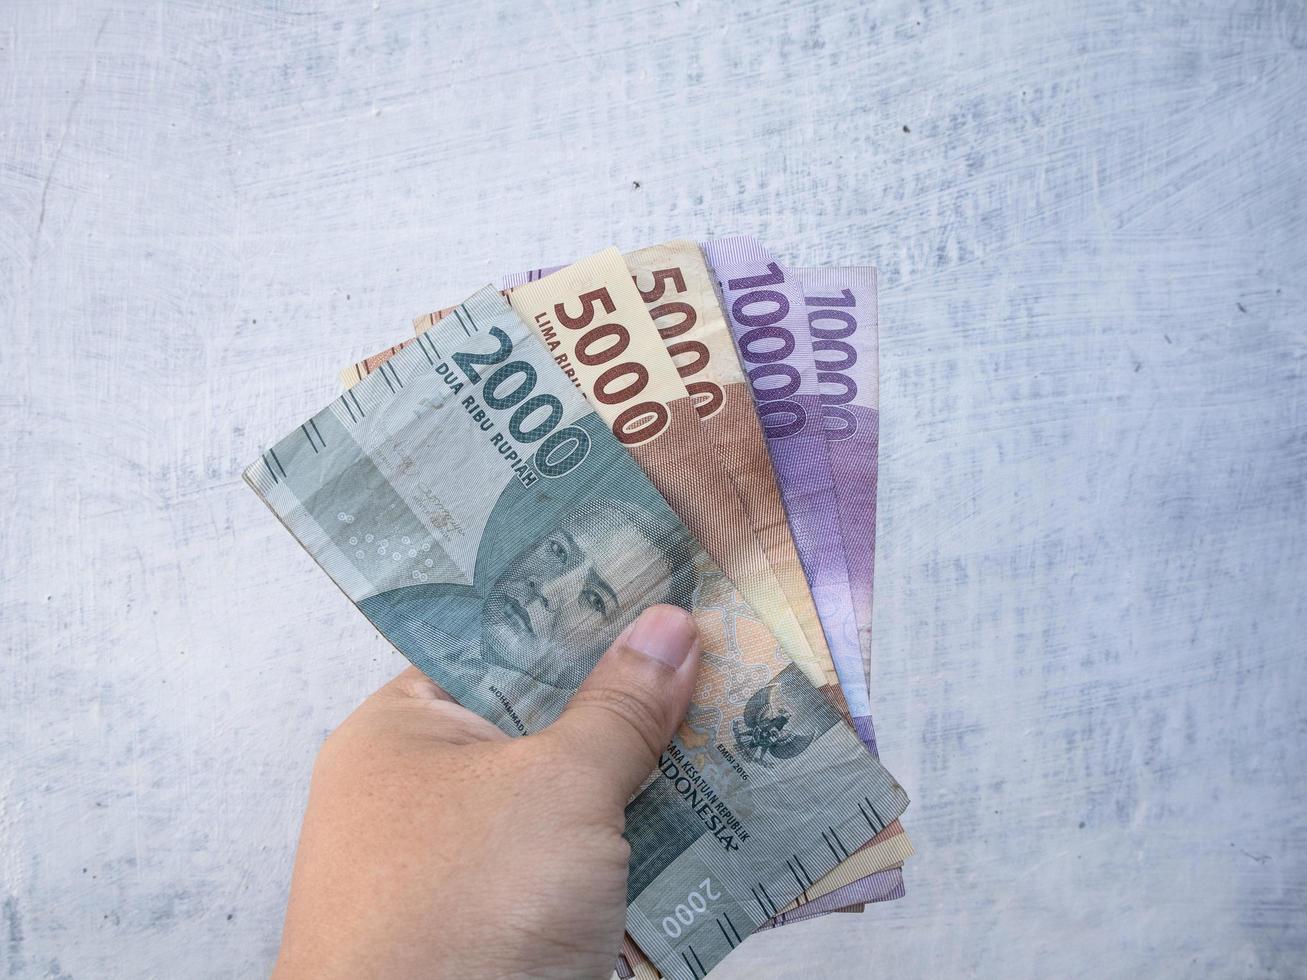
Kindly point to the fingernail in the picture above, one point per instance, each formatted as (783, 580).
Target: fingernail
(664, 633)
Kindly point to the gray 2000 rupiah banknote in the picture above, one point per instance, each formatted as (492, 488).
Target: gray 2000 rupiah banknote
(447, 488)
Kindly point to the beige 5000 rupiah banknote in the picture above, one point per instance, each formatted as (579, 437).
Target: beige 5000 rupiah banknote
(594, 323)
(468, 466)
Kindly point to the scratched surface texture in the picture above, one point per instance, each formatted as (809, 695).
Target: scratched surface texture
(1090, 224)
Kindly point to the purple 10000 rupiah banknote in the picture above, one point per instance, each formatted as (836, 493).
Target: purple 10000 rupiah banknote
(841, 307)
(765, 308)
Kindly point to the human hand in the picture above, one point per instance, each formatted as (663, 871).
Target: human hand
(434, 845)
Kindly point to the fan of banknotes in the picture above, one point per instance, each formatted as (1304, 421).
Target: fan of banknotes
(693, 423)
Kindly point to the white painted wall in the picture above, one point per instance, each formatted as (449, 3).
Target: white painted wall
(1090, 224)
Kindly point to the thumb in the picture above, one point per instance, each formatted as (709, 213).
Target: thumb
(625, 713)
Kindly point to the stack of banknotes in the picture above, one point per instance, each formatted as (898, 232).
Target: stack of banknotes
(693, 423)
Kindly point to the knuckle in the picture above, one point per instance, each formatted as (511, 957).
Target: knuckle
(413, 685)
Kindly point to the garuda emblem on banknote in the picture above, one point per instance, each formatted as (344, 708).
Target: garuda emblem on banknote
(762, 730)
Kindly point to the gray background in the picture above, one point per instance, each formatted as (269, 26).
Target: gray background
(1090, 224)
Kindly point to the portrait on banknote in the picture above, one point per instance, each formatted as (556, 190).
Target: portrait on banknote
(550, 611)
(545, 600)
